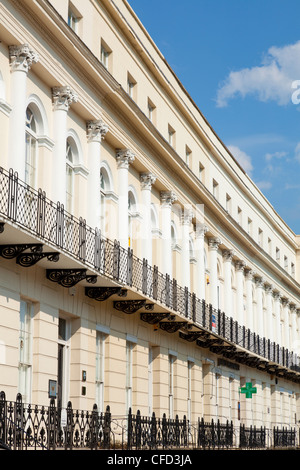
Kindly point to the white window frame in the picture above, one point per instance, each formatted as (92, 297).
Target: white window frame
(25, 350)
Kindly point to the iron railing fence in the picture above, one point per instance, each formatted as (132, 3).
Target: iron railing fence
(31, 210)
(150, 432)
(32, 427)
(215, 435)
(252, 437)
(24, 427)
(284, 437)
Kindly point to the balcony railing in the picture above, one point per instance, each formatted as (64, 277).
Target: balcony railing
(50, 223)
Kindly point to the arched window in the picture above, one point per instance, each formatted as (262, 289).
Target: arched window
(105, 186)
(69, 176)
(131, 214)
(31, 148)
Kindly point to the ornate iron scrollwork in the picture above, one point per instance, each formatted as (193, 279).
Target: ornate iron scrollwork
(12, 251)
(192, 336)
(69, 277)
(153, 318)
(2, 224)
(103, 293)
(129, 306)
(29, 259)
(172, 327)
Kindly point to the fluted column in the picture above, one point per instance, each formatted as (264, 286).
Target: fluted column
(249, 303)
(286, 324)
(96, 132)
(124, 159)
(259, 306)
(62, 98)
(201, 230)
(227, 259)
(277, 301)
(213, 246)
(270, 322)
(21, 60)
(240, 266)
(147, 180)
(186, 219)
(167, 199)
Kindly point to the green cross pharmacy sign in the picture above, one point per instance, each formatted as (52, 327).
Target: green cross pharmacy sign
(248, 390)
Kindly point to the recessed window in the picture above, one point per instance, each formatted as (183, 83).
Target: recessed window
(188, 156)
(74, 18)
(151, 111)
(201, 173)
(105, 55)
(228, 203)
(171, 136)
(260, 237)
(249, 226)
(240, 216)
(131, 86)
(215, 189)
(277, 254)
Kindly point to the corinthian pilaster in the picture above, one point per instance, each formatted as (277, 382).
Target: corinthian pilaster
(124, 159)
(63, 97)
(22, 57)
(96, 131)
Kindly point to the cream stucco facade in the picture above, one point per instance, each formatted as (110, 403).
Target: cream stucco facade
(91, 113)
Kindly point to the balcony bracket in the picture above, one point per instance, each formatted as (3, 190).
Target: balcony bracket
(132, 306)
(69, 277)
(12, 251)
(30, 259)
(103, 293)
(154, 318)
(172, 327)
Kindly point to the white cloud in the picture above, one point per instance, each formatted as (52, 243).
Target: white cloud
(270, 156)
(243, 159)
(272, 80)
(263, 185)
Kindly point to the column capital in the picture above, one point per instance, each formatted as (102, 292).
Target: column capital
(124, 158)
(240, 265)
(285, 302)
(213, 243)
(147, 180)
(269, 288)
(249, 274)
(62, 97)
(228, 255)
(96, 130)
(186, 216)
(22, 57)
(167, 198)
(201, 230)
(277, 295)
(259, 281)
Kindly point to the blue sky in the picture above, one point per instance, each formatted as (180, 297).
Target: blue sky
(239, 60)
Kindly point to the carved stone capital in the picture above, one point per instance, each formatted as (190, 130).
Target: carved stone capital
(167, 198)
(201, 230)
(22, 57)
(186, 216)
(213, 243)
(240, 266)
(147, 180)
(228, 255)
(63, 97)
(259, 281)
(96, 131)
(249, 274)
(124, 158)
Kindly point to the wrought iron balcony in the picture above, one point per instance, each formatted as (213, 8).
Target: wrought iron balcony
(75, 253)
